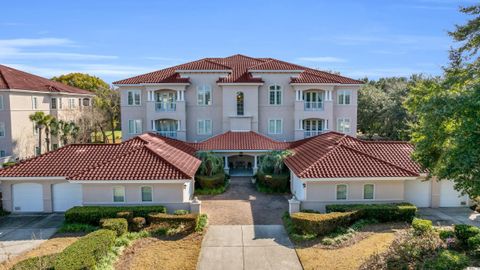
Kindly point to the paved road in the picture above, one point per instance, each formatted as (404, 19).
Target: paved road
(451, 215)
(247, 247)
(242, 204)
(20, 233)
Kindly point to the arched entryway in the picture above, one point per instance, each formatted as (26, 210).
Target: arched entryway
(241, 164)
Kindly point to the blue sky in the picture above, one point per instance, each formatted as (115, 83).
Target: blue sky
(119, 39)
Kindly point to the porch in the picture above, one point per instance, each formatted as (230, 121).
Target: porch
(241, 164)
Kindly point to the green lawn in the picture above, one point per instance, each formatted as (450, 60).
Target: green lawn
(98, 137)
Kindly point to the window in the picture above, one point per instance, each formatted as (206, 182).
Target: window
(118, 194)
(53, 104)
(135, 126)
(341, 192)
(37, 151)
(146, 194)
(204, 95)
(2, 129)
(275, 94)
(34, 103)
(344, 97)
(55, 146)
(204, 127)
(343, 125)
(1, 102)
(368, 191)
(240, 103)
(3, 153)
(313, 100)
(86, 102)
(71, 103)
(133, 98)
(275, 126)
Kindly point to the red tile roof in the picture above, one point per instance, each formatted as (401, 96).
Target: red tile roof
(335, 155)
(240, 66)
(146, 157)
(11, 78)
(240, 141)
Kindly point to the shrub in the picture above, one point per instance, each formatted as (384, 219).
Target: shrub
(445, 234)
(39, 263)
(93, 214)
(463, 232)
(275, 182)
(128, 215)
(474, 243)
(202, 222)
(321, 224)
(76, 228)
(422, 226)
(86, 252)
(447, 260)
(118, 225)
(381, 212)
(181, 212)
(211, 182)
(138, 223)
(167, 220)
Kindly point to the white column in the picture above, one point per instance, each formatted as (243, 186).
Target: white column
(255, 167)
(225, 167)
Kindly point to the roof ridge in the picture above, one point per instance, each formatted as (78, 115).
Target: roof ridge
(378, 159)
(3, 77)
(213, 62)
(166, 160)
(165, 139)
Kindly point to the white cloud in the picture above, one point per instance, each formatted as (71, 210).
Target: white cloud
(322, 59)
(34, 42)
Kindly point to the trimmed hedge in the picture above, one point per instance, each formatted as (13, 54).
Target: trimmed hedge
(118, 225)
(137, 223)
(86, 252)
(128, 215)
(464, 231)
(167, 220)
(275, 182)
(380, 212)
(93, 214)
(321, 224)
(422, 226)
(40, 263)
(209, 182)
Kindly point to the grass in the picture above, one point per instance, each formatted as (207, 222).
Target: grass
(202, 223)
(76, 228)
(98, 136)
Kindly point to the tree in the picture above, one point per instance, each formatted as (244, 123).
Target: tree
(446, 130)
(372, 102)
(82, 81)
(274, 161)
(107, 101)
(211, 163)
(41, 121)
(67, 131)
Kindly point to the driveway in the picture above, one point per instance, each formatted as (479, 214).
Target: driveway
(247, 247)
(242, 204)
(451, 215)
(20, 233)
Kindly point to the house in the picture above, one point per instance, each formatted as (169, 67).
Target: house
(153, 169)
(22, 94)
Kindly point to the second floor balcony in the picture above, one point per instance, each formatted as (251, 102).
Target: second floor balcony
(313, 105)
(311, 133)
(165, 106)
(167, 133)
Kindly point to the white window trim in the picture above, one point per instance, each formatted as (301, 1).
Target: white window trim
(363, 192)
(141, 197)
(135, 131)
(281, 95)
(342, 119)
(72, 103)
(133, 98)
(336, 192)
(2, 125)
(281, 126)
(2, 103)
(124, 194)
(339, 92)
(204, 127)
(34, 103)
(202, 88)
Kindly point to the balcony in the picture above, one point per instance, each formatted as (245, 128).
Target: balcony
(165, 106)
(169, 134)
(313, 106)
(311, 133)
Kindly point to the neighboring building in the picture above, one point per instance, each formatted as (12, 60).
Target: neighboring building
(329, 168)
(22, 94)
(200, 99)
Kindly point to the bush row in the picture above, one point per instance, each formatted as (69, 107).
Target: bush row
(167, 220)
(118, 225)
(93, 214)
(210, 182)
(86, 252)
(279, 183)
(380, 212)
(321, 224)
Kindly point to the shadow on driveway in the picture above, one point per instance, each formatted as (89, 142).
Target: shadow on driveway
(448, 216)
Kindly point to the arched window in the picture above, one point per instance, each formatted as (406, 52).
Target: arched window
(240, 105)
(275, 94)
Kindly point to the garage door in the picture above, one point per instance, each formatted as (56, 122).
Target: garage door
(449, 197)
(66, 196)
(418, 192)
(27, 197)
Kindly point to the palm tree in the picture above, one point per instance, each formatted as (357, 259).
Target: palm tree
(47, 121)
(273, 162)
(211, 163)
(67, 130)
(38, 119)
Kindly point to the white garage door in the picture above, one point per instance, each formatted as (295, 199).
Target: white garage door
(449, 197)
(66, 196)
(418, 192)
(27, 197)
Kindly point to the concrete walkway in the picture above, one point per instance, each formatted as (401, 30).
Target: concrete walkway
(451, 215)
(247, 247)
(20, 233)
